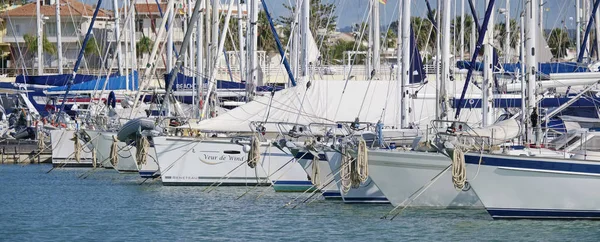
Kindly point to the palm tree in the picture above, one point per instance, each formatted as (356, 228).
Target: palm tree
(500, 34)
(266, 40)
(469, 24)
(31, 44)
(143, 45)
(91, 47)
(559, 42)
(322, 23)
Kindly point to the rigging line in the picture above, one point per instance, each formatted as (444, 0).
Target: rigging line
(357, 46)
(77, 30)
(109, 70)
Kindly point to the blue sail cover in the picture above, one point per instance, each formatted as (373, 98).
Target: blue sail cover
(114, 83)
(416, 63)
(186, 83)
(544, 68)
(54, 80)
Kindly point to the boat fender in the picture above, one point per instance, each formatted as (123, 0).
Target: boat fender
(112, 99)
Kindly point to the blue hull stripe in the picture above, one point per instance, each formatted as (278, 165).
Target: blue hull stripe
(303, 183)
(370, 199)
(543, 214)
(149, 174)
(309, 156)
(332, 194)
(531, 163)
(277, 154)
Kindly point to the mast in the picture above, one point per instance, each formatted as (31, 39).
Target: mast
(541, 16)
(152, 60)
(207, 43)
(118, 36)
(184, 27)
(404, 112)
(376, 38)
(241, 38)
(184, 49)
(59, 38)
(436, 20)
(305, 33)
(79, 57)
(445, 56)
(578, 20)
(474, 54)
(199, 57)
(215, 36)
(252, 76)
(399, 86)
(170, 40)
(462, 29)
(127, 57)
(370, 46)
(522, 69)
(597, 22)
(587, 31)
(488, 74)
(220, 46)
(532, 65)
(507, 36)
(39, 37)
(132, 24)
(474, 30)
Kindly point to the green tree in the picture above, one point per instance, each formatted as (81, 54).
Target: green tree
(266, 40)
(559, 42)
(91, 47)
(322, 24)
(143, 46)
(469, 26)
(500, 34)
(31, 44)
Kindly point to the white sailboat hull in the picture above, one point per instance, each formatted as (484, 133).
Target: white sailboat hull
(190, 161)
(63, 148)
(367, 192)
(400, 174)
(535, 187)
(329, 187)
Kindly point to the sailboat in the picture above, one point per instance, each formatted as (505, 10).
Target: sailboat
(535, 181)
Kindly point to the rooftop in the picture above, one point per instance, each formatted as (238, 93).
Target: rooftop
(67, 8)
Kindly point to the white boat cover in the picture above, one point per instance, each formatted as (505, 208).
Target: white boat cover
(323, 102)
(499, 132)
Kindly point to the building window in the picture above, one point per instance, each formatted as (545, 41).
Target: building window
(51, 29)
(17, 29)
(139, 25)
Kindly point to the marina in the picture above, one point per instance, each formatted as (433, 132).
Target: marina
(267, 120)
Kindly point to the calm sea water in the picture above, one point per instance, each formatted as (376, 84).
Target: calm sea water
(107, 206)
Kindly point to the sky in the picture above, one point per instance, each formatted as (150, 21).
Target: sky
(558, 13)
(350, 12)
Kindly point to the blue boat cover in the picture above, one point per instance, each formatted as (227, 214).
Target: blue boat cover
(544, 68)
(114, 83)
(55, 80)
(183, 83)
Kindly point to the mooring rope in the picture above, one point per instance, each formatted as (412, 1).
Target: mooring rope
(459, 172)
(254, 154)
(315, 179)
(362, 161)
(142, 147)
(77, 147)
(114, 152)
(345, 171)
